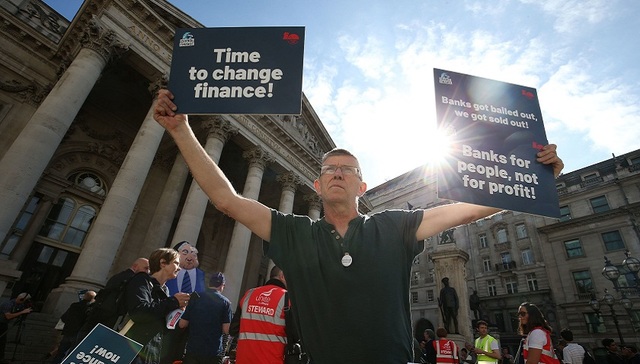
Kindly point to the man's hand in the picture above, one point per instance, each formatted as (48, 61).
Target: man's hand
(548, 155)
(164, 111)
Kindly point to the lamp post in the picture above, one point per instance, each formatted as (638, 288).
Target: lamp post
(612, 273)
(609, 300)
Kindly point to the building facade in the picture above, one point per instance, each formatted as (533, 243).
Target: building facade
(89, 181)
(555, 263)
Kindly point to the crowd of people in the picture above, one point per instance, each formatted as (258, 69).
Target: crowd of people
(332, 266)
(535, 347)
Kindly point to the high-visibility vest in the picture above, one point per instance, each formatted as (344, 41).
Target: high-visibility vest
(548, 355)
(446, 351)
(262, 338)
(485, 344)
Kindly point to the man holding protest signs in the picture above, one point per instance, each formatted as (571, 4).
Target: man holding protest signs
(339, 263)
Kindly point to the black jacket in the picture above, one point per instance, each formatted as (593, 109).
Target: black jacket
(147, 305)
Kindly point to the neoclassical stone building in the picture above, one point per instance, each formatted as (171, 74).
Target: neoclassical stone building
(89, 181)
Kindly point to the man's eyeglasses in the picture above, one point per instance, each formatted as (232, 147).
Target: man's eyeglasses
(522, 314)
(346, 170)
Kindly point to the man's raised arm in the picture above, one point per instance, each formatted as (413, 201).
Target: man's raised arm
(251, 213)
(445, 217)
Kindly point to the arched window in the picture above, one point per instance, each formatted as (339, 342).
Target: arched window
(68, 222)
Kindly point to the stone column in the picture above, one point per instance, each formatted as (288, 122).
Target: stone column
(241, 236)
(104, 239)
(29, 155)
(196, 203)
(158, 230)
(315, 205)
(289, 183)
(449, 261)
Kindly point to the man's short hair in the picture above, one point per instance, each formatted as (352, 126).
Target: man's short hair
(481, 322)
(607, 342)
(566, 334)
(442, 332)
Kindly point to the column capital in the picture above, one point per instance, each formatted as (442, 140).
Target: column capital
(289, 181)
(103, 41)
(156, 85)
(219, 128)
(257, 157)
(315, 202)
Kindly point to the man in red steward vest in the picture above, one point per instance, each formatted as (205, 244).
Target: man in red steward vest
(446, 350)
(259, 322)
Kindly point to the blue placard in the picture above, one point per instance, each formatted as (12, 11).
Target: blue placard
(251, 70)
(495, 129)
(104, 345)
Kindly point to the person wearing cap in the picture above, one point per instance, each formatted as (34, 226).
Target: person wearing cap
(449, 305)
(10, 310)
(259, 323)
(208, 319)
(337, 263)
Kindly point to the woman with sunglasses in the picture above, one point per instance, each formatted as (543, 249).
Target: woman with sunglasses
(537, 346)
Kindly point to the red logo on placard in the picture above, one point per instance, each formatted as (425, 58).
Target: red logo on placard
(291, 38)
(527, 94)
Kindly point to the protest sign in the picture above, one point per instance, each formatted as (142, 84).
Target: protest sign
(104, 345)
(495, 129)
(251, 70)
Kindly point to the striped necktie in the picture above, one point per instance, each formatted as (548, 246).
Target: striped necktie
(186, 283)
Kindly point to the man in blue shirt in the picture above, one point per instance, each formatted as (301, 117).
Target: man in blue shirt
(208, 318)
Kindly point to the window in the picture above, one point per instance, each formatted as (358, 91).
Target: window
(599, 204)
(573, 248)
(565, 213)
(68, 223)
(532, 282)
(590, 177)
(415, 280)
(430, 296)
(511, 284)
(595, 324)
(482, 238)
(501, 235)
(521, 231)
(414, 297)
(416, 260)
(527, 257)
(612, 241)
(583, 281)
(486, 264)
(505, 258)
(491, 287)
(20, 226)
(635, 315)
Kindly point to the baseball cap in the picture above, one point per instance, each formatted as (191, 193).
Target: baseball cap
(217, 279)
(24, 295)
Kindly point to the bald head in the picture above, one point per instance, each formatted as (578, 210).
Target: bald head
(89, 296)
(140, 265)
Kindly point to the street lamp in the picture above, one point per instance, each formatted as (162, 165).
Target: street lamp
(609, 300)
(612, 273)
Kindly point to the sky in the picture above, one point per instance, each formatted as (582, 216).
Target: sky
(368, 67)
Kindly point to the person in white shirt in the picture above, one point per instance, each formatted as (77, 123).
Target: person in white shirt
(572, 353)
